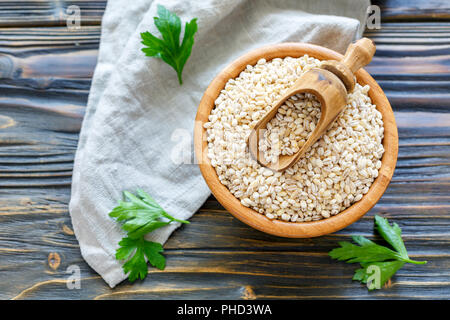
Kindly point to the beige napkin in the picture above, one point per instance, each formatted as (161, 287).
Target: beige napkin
(138, 115)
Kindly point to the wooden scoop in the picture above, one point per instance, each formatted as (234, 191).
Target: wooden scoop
(330, 84)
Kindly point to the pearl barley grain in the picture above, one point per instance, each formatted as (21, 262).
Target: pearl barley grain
(336, 172)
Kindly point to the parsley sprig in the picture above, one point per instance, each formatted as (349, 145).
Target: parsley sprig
(368, 253)
(169, 48)
(140, 214)
(135, 251)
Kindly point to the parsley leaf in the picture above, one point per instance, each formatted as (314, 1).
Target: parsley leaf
(168, 48)
(368, 253)
(387, 270)
(135, 251)
(141, 214)
(392, 234)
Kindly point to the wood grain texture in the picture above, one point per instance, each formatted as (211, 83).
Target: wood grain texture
(216, 256)
(48, 13)
(414, 10)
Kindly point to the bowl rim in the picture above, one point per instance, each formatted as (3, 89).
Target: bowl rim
(258, 220)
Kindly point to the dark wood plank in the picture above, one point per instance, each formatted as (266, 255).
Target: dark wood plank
(48, 13)
(53, 13)
(230, 263)
(216, 256)
(414, 10)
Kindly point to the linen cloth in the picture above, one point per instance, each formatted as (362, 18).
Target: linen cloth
(137, 130)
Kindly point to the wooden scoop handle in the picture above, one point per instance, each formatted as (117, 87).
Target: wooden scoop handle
(359, 54)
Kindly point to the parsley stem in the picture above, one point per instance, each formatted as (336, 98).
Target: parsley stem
(181, 221)
(168, 216)
(414, 261)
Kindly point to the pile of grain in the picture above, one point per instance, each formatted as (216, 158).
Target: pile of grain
(336, 172)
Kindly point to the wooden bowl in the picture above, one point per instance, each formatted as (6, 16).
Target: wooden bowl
(278, 227)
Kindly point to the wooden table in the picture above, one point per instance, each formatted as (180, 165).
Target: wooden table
(46, 71)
